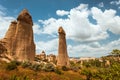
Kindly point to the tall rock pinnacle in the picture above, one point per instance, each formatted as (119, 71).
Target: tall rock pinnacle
(19, 38)
(62, 59)
(24, 16)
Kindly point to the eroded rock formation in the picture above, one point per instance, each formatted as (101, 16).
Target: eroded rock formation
(19, 38)
(2, 50)
(62, 59)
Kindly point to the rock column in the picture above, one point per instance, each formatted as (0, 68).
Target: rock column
(62, 59)
(24, 47)
(19, 40)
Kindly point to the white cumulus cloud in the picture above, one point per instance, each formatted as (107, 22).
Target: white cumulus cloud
(115, 2)
(62, 12)
(101, 4)
(108, 20)
(94, 49)
(37, 28)
(50, 46)
(4, 21)
(77, 26)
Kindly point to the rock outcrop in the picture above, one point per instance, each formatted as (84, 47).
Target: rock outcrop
(7, 41)
(3, 50)
(19, 38)
(42, 55)
(62, 59)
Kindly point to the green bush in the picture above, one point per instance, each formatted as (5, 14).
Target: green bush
(110, 73)
(91, 63)
(103, 73)
(88, 73)
(75, 69)
(26, 64)
(57, 71)
(48, 67)
(12, 65)
(35, 67)
(72, 63)
(64, 68)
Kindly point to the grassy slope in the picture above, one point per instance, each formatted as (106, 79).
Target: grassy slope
(37, 75)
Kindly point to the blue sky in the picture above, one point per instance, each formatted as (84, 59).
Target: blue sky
(92, 26)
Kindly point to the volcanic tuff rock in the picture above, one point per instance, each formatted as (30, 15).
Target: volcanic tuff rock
(62, 59)
(2, 49)
(19, 38)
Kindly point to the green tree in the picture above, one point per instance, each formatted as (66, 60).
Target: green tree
(88, 73)
(115, 52)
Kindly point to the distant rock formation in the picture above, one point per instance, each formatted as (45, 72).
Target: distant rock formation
(19, 38)
(51, 58)
(42, 55)
(62, 59)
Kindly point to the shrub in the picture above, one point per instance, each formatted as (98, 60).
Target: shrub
(72, 63)
(48, 67)
(64, 68)
(110, 73)
(57, 71)
(11, 66)
(35, 67)
(75, 69)
(88, 73)
(26, 64)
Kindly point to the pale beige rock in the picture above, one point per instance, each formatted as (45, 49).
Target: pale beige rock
(51, 58)
(42, 55)
(62, 59)
(107, 63)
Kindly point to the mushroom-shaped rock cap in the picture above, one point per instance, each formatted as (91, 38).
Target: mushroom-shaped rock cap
(25, 16)
(61, 30)
(14, 22)
(43, 51)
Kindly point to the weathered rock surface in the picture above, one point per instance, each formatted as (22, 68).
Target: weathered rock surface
(2, 49)
(62, 59)
(7, 41)
(19, 38)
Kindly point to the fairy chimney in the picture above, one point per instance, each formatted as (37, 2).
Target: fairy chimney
(62, 59)
(19, 38)
(24, 46)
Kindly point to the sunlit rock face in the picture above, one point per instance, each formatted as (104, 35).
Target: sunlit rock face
(62, 59)
(19, 40)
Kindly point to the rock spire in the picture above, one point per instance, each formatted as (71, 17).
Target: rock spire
(18, 39)
(62, 59)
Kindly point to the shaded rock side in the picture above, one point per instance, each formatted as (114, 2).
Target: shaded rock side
(3, 50)
(7, 41)
(19, 38)
(62, 59)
